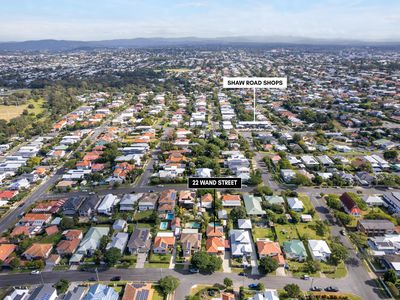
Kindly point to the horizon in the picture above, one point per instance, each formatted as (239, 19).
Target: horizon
(362, 20)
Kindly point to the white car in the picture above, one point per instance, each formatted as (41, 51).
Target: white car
(35, 272)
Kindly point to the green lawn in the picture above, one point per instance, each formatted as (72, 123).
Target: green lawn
(160, 258)
(286, 232)
(142, 215)
(307, 204)
(8, 112)
(51, 239)
(339, 272)
(263, 233)
(156, 265)
(157, 294)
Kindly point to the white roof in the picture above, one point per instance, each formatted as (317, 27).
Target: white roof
(319, 248)
(244, 223)
(295, 203)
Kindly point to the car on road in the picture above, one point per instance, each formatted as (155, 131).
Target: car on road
(116, 278)
(252, 285)
(343, 232)
(92, 279)
(315, 289)
(161, 185)
(35, 272)
(193, 270)
(305, 277)
(242, 274)
(151, 191)
(331, 289)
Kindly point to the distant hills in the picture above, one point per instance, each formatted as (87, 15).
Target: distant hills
(67, 45)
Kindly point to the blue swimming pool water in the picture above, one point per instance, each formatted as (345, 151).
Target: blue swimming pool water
(164, 225)
(170, 216)
(194, 225)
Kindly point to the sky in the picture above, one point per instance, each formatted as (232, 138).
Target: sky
(369, 20)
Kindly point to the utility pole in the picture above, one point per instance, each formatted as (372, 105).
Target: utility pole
(254, 99)
(97, 275)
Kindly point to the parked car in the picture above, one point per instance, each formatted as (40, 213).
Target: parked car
(331, 289)
(193, 270)
(116, 278)
(252, 285)
(242, 274)
(315, 289)
(305, 277)
(35, 272)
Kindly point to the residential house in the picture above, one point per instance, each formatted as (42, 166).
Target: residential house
(240, 242)
(44, 292)
(244, 224)
(207, 200)
(164, 242)
(148, 201)
(266, 247)
(138, 291)
(349, 205)
(18, 294)
(140, 241)
(375, 227)
(295, 204)
(67, 247)
(35, 220)
(91, 240)
(275, 200)
(319, 250)
(101, 292)
(5, 251)
(253, 205)
(128, 202)
(77, 293)
(187, 198)
(268, 294)
(387, 244)
(288, 175)
(294, 249)
(118, 241)
(190, 241)
(106, 206)
(88, 206)
(72, 205)
(392, 199)
(229, 200)
(374, 200)
(38, 251)
(119, 225)
(167, 201)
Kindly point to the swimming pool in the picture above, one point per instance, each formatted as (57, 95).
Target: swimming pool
(194, 225)
(164, 225)
(170, 216)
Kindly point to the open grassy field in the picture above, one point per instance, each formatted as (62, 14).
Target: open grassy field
(8, 112)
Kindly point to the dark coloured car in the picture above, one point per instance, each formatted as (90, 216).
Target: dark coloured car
(116, 278)
(242, 274)
(331, 289)
(193, 270)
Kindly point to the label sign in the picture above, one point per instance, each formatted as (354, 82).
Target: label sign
(214, 183)
(254, 82)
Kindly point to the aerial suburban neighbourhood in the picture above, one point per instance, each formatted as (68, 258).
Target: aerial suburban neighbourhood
(102, 142)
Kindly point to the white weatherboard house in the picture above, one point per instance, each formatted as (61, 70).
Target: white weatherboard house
(295, 204)
(240, 242)
(107, 204)
(319, 249)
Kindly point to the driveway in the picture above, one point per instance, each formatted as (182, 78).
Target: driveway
(141, 259)
(225, 262)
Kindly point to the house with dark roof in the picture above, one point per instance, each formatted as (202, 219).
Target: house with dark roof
(88, 207)
(375, 227)
(139, 241)
(72, 205)
(349, 205)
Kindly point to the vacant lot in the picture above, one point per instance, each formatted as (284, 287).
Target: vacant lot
(8, 112)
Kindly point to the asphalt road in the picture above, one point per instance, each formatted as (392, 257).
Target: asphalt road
(186, 280)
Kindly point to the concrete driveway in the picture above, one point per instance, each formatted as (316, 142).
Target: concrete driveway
(225, 262)
(141, 259)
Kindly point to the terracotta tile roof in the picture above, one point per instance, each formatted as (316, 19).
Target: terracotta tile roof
(19, 230)
(51, 230)
(72, 234)
(6, 250)
(215, 245)
(218, 232)
(164, 241)
(229, 197)
(38, 250)
(68, 246)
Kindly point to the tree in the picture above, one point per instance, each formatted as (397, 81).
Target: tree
(339, 253)
(390, 276)
(67, 223)
(168, 284)
(333, 201)
(390, 154)
(112, 256)
(343, 217)
(15, 263)
(61, 286)
(301, 179)
(228, 282)
(238, 212)
(264, 190)
(268, 264)
(206, 262)
(320, 228)
(104, 240)
(292, 290)
(260, 286)
(312, 266)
